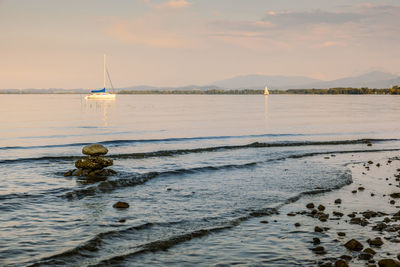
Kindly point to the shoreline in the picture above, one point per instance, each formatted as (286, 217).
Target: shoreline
(362, 211)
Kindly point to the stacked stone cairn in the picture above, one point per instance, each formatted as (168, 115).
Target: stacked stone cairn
(94, 164)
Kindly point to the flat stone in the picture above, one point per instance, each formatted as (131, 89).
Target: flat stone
(94, 150)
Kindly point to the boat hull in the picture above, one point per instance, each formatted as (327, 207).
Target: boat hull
(101, 96)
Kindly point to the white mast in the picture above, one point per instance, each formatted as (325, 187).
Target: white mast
(104, 76)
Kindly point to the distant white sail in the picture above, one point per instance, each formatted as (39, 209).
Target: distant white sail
(266, 92)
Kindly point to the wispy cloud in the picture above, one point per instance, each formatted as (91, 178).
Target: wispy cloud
(173, 4)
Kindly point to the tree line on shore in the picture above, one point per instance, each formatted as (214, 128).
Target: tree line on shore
(395, 90)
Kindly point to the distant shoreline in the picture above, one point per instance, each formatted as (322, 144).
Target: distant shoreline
(331, 91)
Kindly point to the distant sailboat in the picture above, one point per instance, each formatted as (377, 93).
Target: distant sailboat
(102, 94)
(266, 92)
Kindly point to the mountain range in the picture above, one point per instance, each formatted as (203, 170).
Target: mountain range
(374, 79)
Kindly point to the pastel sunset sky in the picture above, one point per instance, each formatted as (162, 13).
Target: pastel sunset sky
(60, 44)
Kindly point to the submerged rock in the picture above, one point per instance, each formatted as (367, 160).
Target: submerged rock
(121, 205)
(94, 150)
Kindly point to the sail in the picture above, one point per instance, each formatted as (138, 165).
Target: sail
(99, 91)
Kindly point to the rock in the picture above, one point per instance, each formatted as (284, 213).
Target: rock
(291, 214)
(388, 263)
(378, 165)
(326, 264)
(379, 227)
(341, 234)
(370, 251)
(68, 173)
(297, 224)
(346, 257)
(398, 256)
(372, 194)
(93, 163)
(352, 215)
(360, 221)
(122, 221)
(361, 188)
(338, 201)
(395, 195)
(319, 250)
(354, 245)
(364, 256)
(376, 242)
(264, 222)
(369, 144)
(318, 229)
(337, 214)
(321, 207)
(316, 241)
(121, 205)
(310, 206)
(341, 263)
(370, 162)
(387, 220)
(354, 191)
(94, 150)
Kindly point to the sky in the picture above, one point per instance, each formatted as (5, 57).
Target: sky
(60, 44)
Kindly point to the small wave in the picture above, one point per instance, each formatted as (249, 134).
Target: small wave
(110, 185)
(175, 152)
(177, 139)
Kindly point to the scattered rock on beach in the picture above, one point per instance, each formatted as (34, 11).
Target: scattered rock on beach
(376, 242)
(310, 206)
(370, 251)
(341, 234)
(316, 241)
(388, 263)
(395, 195)
(354, 245)
(318, 229)
(341, 263)
(338, 201)
(321, 207)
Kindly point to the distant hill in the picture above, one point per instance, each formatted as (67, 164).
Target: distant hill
(375, 79)
(260, 81)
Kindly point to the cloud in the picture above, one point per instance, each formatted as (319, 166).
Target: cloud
(173, 4)
(289, 19)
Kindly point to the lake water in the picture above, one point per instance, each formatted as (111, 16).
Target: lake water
(190, 166)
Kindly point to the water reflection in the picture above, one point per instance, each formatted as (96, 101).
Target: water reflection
(100, 108)
(266, 106)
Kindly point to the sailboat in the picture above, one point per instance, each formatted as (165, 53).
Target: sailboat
(266, 92)
(102, 94)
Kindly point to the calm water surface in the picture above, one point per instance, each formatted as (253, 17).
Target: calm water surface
(190, 167)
